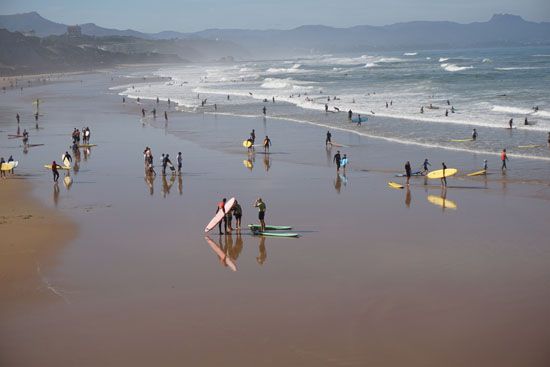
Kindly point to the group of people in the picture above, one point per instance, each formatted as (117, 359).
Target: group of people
(252, 139)
(165, 162)
(237, 211)
(2, 163)
(76, 135)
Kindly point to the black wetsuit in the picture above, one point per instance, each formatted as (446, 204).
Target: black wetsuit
(337, 159)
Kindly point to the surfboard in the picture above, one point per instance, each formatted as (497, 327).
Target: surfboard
(477, 173)
(336, 145)
(363, 119)
(439, 173)
(87, 145)
(9, 166)
(68, 181)
(220, 214)
(49, 166)
(66, 161)
(247, 143)
(221, 255)
(460, 140)
(444, 203)
(528, 146)
(34, 145)
(395, 185)
(270, 228)
(418, 173)
(275, 234)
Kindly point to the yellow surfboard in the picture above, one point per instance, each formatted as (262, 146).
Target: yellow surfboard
(439, 173)
(395, 185)
(247, 163)
(444, 203)
(477, 173)
(9, 166)
(247, 143)
(49, 166)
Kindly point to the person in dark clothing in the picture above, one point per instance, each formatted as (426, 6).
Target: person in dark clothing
(444, 178)
(221, 206)
(337, 159)
(408, 171)
(55, 172)
(327, 140)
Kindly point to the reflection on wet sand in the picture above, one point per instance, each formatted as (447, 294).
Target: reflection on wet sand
(68, 181)
(262, 255)
(442, 200)
(408, 197)
(180, 184)
(55, 194)
(149, 181)
(167, 185)
(340, 179)
(267, 162)
(222, 256)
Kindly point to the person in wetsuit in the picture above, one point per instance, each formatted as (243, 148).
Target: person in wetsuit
(337, 159)
(425, 166)
(267, 144)
(408, 172)
(221, 206)
(474, 135)
(327, 140)
(55, 172)
(444, 179)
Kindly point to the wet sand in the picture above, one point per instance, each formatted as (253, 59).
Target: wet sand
(379, 276)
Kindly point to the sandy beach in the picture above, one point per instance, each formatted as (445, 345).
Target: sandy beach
(378, 277)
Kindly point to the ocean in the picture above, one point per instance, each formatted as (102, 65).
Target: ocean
(484, 87)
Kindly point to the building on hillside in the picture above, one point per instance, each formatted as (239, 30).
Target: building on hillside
(74, 31)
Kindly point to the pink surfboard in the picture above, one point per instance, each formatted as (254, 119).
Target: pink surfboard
(223, 257)
(219, 215)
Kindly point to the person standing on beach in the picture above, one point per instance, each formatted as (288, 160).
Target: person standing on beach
(267, 144)
(443, 178)
(261, 213)
(503, 158)
(474, 135)
(55, 172)
(425, 166)
(165, 116)
(18, 118)
(485, 166)
(511, 123)
(252, 136)
(337, 159)
(10, 159)
(408, 171)
(238, 213)
(143, 112)
(350, 114)
(221, 206)
(25, 137)
(180, 162)
(2, 172)
(326, 108)
(327, 140)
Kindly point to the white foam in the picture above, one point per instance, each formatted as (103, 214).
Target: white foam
(370, 64)
(512, 110)
(487, 61)
(443, 59)
(453, 68)
(410, 54)
(519, 68)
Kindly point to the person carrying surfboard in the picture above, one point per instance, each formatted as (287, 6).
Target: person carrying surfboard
(261, 212)
(425, 166)
(474, 135)
(55, 172)
(2, 172)
(221, 206)
(267, 144)
(443, 178)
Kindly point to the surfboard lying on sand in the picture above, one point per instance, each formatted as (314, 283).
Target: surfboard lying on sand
(9, 166)
(418, 173)
(87, 145)
(49, 166)
(439, 173)
(477, 173)
(269, 228)
(220, 214)
(444, 203)
(395, 185)
(275, 234)
(221, 255)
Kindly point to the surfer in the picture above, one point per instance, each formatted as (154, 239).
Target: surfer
(143, 112)
(264, 110)
(18, 118)
(165, 116)
(511, 123)
(67, 157)
(25, 137)
(446, 113)
(549, 138)
(229, 220)
(526, 122)
(327, 140)
(474, 135)
(2, 172)
(421, 109)
(55, 172)
(326, 108)
(267, 144)
(350, 114)
(165, 163)
(443, 178)
(221, 206)
(358, 120)
(485, 166)
(425, 166)
(503, 158)
(261, 212)
(253, 136)
(337, 159)
(180, 162)
(344, 163)
(408, 172)
(10, 159)
(238, 213)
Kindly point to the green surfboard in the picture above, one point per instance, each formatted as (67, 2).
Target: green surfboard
(256, 227)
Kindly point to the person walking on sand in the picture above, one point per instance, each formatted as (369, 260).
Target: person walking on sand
(267, 144)
(66, 157)
(179, 159)
(238, 213)
(327, 140)
(10, 159)
(18, 118)
(253, 136)
(221, 206)
(485, 166)
(337, 159)
(511, 123)
(474, 135)
(165, 116)
(503, 158)
(25, 137)
(264, 110)
(425, 166)
(55, 172)
(408, 172)
(261, 212)
(443, 178)
(359, 120)
(2, 172)
(166, 163)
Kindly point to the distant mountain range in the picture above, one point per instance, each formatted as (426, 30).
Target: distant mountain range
(500, 30)
(98, 46)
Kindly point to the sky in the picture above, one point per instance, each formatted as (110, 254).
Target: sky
(195, 15)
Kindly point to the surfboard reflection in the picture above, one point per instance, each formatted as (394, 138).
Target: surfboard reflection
(223, 257)
(442, 201)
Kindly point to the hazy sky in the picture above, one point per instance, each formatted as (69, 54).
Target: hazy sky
(192, 15)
